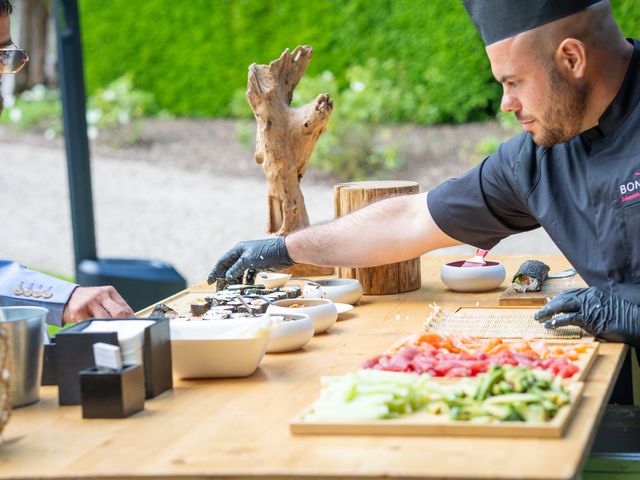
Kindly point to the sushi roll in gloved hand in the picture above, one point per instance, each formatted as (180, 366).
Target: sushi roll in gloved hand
(266, 254)
(595, 311)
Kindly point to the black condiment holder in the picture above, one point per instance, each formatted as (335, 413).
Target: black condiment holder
(109, 393)
(74, 352)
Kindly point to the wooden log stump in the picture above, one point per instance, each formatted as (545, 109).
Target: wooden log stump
(385, 279)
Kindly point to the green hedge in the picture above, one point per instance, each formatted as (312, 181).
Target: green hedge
(193, 54)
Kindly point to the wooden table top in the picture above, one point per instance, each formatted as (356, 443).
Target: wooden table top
(239, 427)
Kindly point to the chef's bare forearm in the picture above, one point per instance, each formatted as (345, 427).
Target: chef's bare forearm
(388, 231)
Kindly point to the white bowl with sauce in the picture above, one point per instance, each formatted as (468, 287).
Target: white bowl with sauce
(293, 333)
(472, 279)
(323, 312)
(339, 290)
(271, 279)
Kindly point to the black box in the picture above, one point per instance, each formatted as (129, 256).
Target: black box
(49, 365)
(75, 352)
(112, 393)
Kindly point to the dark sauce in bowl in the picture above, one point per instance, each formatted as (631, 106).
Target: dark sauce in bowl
(458, 263)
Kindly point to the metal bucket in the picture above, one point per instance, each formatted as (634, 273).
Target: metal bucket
(25, 326)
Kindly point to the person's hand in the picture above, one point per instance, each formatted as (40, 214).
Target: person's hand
(266, 254)
(599, 313)
(95, 302)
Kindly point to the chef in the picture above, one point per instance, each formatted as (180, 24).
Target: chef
(573, 82)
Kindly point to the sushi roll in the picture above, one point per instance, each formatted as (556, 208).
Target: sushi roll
(223, 283)
(293, 291)
(163, 311)
(530, 276)
(250, 276)
(200, 306)
(260, 304)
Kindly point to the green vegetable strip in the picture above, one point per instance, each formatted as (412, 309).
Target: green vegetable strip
(505, 393)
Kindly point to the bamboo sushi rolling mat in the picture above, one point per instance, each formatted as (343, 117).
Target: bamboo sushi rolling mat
(495, 323)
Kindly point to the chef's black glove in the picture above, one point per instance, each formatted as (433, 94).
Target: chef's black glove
(599, 313)
(266, 254)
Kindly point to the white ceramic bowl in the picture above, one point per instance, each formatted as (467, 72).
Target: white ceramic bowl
(197, 353)
(472, 279)
(272, 280)
(323, 312)
(339, 290)
(292, 334)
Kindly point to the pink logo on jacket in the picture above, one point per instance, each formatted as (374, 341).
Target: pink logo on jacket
(631, 189)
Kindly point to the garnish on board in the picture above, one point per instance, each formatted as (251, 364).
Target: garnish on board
(504, 393)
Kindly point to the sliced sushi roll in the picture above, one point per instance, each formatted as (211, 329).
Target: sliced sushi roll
(260, 304)
(250, 276)
(201, 305)
(293, 291)
(530, 276)
(223, 283)
(163, 311)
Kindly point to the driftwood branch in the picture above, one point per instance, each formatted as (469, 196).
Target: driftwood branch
(285, 136)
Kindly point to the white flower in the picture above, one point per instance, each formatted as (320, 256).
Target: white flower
(38, 92)
(93, 116)
(49, 134)
(357, 86)
(109, 95)
(92, 133)
(327, 75)
(15, 115)
(123, 117)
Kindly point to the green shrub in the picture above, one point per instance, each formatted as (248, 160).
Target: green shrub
(32, 107)
(117, 103)
(355, 144)
(193, 56)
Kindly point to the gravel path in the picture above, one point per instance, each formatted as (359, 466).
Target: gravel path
(185, 217)
(185, 214)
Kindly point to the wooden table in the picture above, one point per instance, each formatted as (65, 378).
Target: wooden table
(239, 427)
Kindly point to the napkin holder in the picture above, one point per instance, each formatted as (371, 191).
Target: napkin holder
(74, 352)
(112, 393)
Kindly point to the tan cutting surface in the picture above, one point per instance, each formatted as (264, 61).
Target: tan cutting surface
(239, 428)
(496, 323)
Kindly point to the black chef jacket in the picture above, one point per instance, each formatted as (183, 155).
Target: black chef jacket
(585, 193)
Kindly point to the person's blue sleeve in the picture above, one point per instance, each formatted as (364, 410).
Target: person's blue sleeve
(20, 286)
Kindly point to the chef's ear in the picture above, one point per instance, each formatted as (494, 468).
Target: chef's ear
(571, 56)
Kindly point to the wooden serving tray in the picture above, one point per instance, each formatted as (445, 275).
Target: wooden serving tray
(422, 423)
(550, 288)
(180, 302)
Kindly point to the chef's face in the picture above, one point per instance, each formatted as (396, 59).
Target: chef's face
(548, 106)
(5, 39)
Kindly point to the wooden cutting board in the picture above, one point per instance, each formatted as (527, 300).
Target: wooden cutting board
(422, 423)
(550, 289)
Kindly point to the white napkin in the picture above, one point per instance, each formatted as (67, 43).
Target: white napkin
(130, 336)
